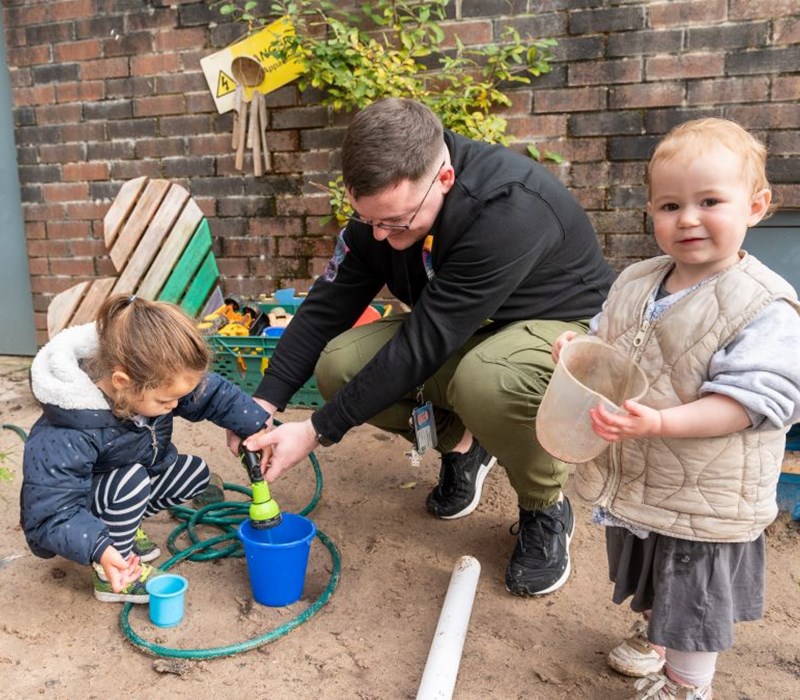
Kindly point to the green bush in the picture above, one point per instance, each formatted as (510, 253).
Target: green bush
(390, 48)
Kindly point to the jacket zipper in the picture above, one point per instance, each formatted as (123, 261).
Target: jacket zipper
(615, 472)
(152, 429)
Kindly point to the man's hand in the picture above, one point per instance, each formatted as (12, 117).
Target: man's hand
(233, 438)
(119, 572)
(290, 443)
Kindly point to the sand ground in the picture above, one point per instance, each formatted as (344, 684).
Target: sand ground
(371, 640)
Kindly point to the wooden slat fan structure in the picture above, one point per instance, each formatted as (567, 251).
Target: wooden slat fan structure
(160, 245)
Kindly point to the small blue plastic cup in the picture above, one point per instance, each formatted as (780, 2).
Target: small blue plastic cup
(277, 559)
(167, 594)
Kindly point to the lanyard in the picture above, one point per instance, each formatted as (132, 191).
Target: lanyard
(427, 257)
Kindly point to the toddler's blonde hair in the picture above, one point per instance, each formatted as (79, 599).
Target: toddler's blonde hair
(693, 138)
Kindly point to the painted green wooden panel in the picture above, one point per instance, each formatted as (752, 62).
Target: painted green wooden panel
(201, 285)
(187, 266)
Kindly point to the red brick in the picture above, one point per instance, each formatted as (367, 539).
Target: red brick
(86, 211)
(104, 68)
(728, 90)
(37, 95)
(62, 153)
(35, 230)
(29, 15)
(88, 248)
(29, 56)
(281, 226)
(72, 266)
(570, 99)
(43, 212)
(762, 9)
(668, 14)
(302, 206)
(67, 229)
(521, 103)
(685, 66)
(772, 116)
(52, 285)
(84, 91)
(65, 192)
(530, 128)
(322, 226)
(38, 266)
(86, 171)
(787, 31)
(69, 113)
(623, 70)
(645, 95)
(787, 195)
(471, 33)
(149, 66)
(79, 51)
(159, 105)
(71, 9)
(785, 88)
(174, 40)
(589, 174)
(589, 199)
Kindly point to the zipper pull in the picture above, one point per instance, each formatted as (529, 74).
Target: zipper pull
(639, 338)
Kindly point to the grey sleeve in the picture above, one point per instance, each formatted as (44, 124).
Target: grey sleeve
(760, 367)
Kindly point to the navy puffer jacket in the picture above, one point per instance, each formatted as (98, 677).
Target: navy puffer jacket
(78, 437)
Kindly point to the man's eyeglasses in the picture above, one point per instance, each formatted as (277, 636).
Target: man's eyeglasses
(398, 227)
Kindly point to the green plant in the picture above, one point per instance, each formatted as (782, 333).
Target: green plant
(5, 473)
(389, 48)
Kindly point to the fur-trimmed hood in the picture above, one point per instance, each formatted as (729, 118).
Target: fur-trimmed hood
(56, 376)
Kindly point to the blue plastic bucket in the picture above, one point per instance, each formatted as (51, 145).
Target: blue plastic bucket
(167, 593)
(277, 559)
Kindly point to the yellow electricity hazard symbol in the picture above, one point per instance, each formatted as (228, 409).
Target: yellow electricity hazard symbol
(225, 84)
(219, 76)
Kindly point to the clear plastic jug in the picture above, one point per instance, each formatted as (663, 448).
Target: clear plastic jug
(588, 372)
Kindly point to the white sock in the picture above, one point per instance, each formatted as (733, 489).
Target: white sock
(692, 668)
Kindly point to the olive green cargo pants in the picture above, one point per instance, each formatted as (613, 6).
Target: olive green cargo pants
(492, 387)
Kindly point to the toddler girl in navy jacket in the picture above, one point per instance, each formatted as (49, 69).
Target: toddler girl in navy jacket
(100, 458)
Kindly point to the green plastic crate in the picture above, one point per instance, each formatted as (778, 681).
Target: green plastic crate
(242, 360)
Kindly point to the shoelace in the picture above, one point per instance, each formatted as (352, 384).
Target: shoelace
(659, 687)
(529, 539)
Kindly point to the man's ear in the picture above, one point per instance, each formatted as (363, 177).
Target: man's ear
(447, 178)
(759, 206)
(120, 380)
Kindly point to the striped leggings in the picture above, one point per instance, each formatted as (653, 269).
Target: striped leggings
(124, 497)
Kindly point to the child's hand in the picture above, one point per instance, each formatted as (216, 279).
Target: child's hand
(233, 439)
(561, 341)
(639, 421)
(119, 571)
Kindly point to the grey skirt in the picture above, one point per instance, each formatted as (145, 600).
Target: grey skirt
(695, 591)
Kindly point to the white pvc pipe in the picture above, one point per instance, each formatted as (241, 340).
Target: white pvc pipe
(441, 669)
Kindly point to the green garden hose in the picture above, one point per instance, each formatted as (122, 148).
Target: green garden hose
(15, 428)
(227, 516)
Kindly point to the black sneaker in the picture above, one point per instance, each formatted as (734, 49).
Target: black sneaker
(540, 562)
(460, 482)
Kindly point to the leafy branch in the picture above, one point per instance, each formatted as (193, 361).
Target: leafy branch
(390, 48)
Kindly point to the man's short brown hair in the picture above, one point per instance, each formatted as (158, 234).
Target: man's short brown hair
(389, 141)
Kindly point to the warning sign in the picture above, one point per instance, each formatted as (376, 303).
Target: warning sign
(219, 76)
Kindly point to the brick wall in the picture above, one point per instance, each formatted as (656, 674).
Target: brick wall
(107, 90)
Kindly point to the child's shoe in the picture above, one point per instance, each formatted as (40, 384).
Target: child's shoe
(637, 656)
(134, 592)
(144, 547)
(657, 686)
